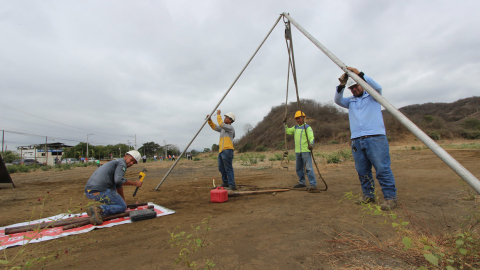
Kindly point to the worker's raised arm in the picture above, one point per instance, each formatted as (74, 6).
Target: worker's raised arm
(212, 124)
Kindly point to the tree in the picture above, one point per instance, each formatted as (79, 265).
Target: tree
(150, 148)
(215, 147)
(206, 150)
(10, 156)
(247, 128)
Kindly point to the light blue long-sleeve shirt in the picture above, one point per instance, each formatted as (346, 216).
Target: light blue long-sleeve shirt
(364, 113)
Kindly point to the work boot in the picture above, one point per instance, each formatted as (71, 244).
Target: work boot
(313, 189)
(365, 200)
(299, 186)
(389, 204)
(231, 188)
(91, 208)
(95, 215)
(225, 185)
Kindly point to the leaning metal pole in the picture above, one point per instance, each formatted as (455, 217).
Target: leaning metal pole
(218, 104)
(439, 151)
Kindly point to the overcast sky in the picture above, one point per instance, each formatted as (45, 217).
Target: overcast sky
(157, 68)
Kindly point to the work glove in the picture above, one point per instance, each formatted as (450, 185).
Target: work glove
(354, 70)
(343, 79)
(310, 147)
(285, 120)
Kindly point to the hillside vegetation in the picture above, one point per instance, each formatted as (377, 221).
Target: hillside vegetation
(459, 119)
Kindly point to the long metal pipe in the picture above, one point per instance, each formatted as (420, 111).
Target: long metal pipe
(218, 104)
(439, 151)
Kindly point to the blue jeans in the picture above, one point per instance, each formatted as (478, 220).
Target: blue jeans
(113, 202)
(374, 151)
(225, 159)
(305, 159)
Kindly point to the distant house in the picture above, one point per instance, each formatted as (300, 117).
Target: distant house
(37, 152)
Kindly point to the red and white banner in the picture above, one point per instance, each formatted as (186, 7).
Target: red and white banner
(23, 238)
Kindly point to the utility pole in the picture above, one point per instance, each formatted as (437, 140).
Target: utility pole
(46, 150)
(87, 143)
(120, 149)
(3, 140)
(165, 148)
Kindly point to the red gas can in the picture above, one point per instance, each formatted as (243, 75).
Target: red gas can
(220, 194)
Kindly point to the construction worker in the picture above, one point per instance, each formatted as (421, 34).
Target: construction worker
(368, 140)
(106, 186)
(225, 147)
(304, 141)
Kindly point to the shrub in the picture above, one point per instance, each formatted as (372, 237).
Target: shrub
(332, 142)
(472, 123)
(292, 157)
(334, 158)
(276, 157)
(475, 135)
(434, 135)
(196, 159)
(246, 147)
(346, 153)
(261, 148)
(280, 145)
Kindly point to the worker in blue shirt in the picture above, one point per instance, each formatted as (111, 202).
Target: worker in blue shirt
(368, 140)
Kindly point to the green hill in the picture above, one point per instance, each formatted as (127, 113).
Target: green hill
(459, 119)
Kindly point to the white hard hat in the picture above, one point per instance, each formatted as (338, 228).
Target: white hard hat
(231, 115)
(351, 82)
(135, 154)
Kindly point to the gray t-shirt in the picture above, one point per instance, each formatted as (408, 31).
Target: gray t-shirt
(108, 176)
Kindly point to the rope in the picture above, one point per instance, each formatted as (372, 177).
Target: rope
(285, 158)
(288, 37)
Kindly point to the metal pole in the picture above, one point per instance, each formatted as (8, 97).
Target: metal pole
(87, 143)
(439, 151)
(3, 140)
(218, 104)
(46, 150)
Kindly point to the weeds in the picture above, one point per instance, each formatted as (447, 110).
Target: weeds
(26, 257)
(191, 243)
(415, 244)
(251, 158)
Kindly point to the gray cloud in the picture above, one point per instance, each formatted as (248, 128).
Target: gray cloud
(156, 68)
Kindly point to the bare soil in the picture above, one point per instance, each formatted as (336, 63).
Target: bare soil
(288, 230)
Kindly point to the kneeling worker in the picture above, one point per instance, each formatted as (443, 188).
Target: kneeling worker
(303, 148)
(106, 186)
(225, 147)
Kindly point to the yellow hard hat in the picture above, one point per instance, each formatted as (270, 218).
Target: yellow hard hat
(299, 114)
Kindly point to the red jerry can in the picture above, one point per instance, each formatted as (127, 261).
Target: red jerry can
(219, 195)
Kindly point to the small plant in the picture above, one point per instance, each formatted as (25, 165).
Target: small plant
(261, 148)
(196, 159)
(332, 142)
(191, 243)
(434, 135)
(275, 157)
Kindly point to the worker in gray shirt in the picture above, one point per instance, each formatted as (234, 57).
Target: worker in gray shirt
(106, 186)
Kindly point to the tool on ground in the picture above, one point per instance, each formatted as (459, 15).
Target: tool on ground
(73, 223)
(219, 195)
(291, 62)
(135, 205)
(214, 182)
(141, 175)
(105, 218)
(232, 193)
(142, 214)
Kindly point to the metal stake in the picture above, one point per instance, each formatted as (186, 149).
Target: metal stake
(439, 151)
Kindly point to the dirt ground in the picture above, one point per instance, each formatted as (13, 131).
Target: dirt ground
(288, 230)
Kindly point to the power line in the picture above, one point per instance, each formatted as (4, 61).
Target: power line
(56, 122)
